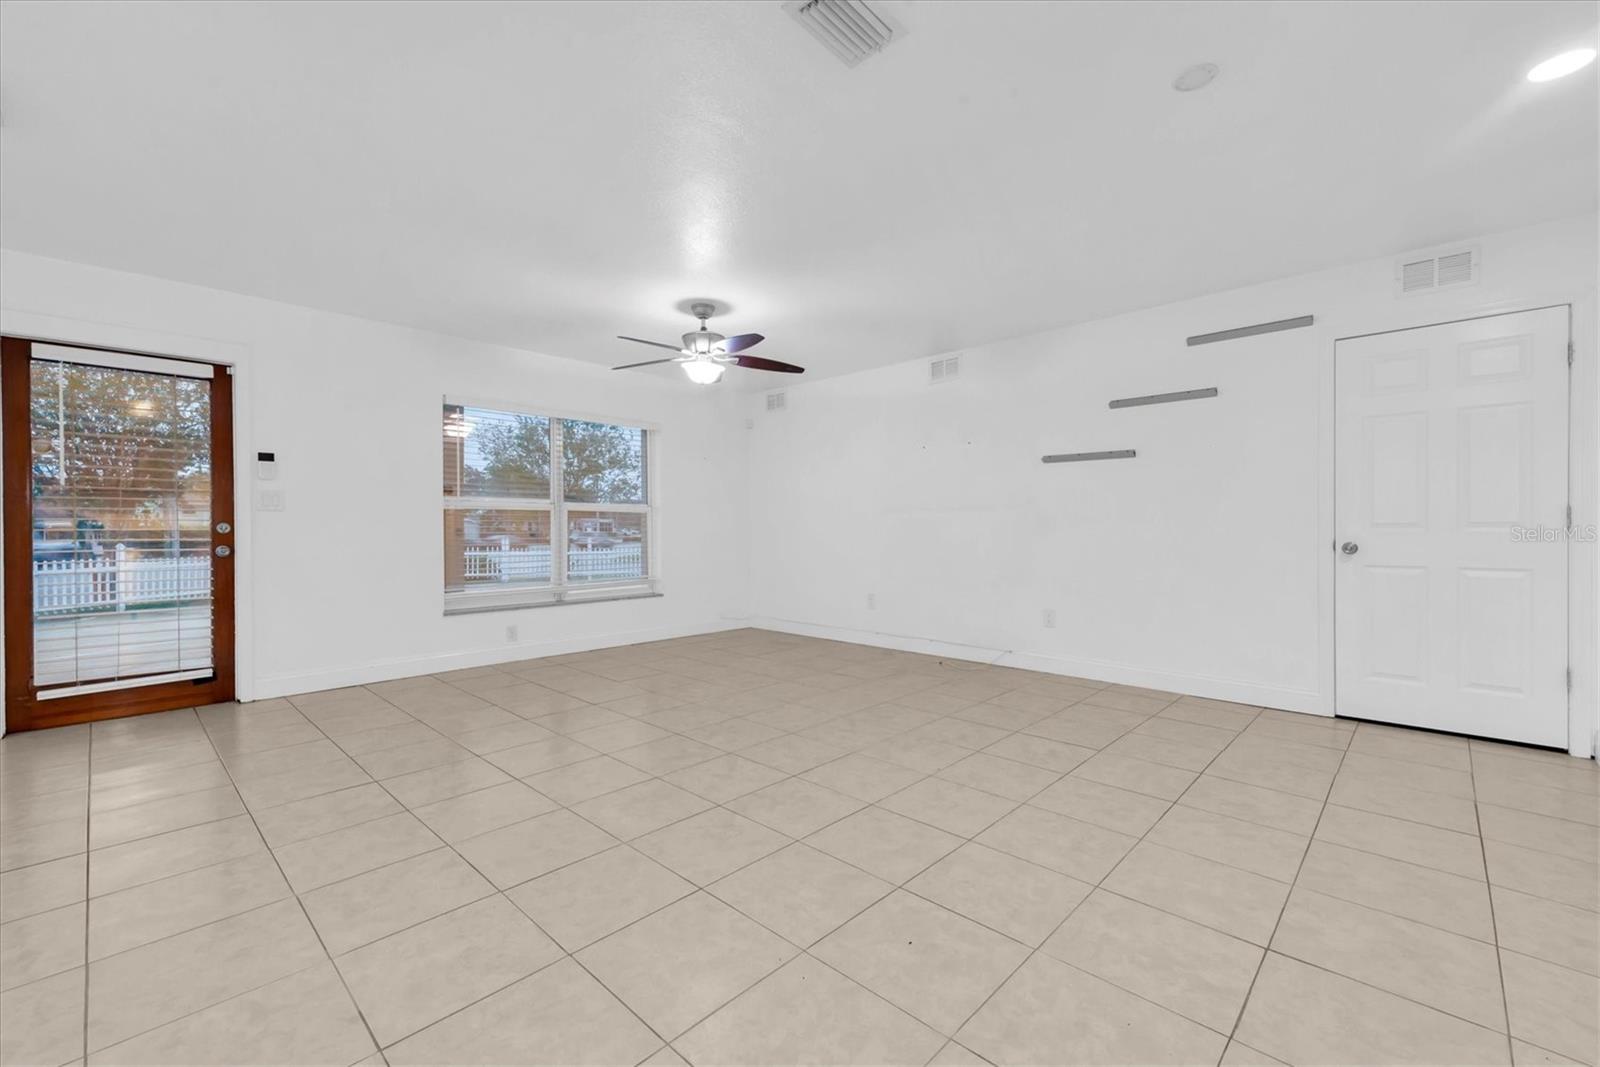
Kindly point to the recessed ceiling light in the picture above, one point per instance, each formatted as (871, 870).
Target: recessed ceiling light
(1562, 65)
(1196, 77)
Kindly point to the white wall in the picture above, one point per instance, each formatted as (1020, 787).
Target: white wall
(1202, 566)
(344, 585)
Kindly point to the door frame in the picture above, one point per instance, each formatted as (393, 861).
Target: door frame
(1577, 743)
(23, 710)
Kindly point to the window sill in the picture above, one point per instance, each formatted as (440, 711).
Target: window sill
(524, 605)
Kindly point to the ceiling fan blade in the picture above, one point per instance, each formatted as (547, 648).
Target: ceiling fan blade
(757, 363)
(646, 363)
(656, 344)
(741, 341)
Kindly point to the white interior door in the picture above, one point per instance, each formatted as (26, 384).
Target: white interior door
(1450, 512)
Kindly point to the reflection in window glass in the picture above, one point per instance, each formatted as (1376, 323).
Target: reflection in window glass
(487, 547)
(507, 542)
(120, 502)
(605, 546)
(496, 453)
(602, 463)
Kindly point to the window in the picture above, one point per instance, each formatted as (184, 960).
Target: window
(543, 510)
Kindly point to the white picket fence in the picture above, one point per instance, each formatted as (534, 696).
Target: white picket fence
(531, 563)
(117, 583)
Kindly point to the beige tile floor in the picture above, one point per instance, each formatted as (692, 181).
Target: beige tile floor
(757, 848)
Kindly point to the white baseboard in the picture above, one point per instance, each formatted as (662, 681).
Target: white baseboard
(1239, 692)
(386, 670)
(1195, 685)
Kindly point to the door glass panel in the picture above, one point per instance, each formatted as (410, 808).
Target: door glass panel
(121, 509)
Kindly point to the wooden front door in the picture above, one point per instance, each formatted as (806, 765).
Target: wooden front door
(118, 512)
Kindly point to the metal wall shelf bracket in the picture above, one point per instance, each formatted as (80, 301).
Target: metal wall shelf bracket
(1083, 457)
(1163, 398)
(1250, 331)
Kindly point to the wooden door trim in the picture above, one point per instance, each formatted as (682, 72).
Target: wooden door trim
(16, 468)
(23, 710)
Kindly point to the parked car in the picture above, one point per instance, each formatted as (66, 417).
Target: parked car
(63, 540)
(592, 533)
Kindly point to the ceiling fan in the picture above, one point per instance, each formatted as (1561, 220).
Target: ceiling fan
(704, 355)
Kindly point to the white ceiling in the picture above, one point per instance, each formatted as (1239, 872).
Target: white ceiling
(548, 175)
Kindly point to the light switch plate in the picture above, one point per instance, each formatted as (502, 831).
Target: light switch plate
(269, 500)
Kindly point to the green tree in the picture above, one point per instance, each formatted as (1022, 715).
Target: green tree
(120, 451)
(508, 457)
(602, 463)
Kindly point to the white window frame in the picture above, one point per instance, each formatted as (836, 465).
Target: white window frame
(559, 590)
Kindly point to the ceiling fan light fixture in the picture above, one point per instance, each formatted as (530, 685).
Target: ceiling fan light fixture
(1562, 65)
(705, 354)
(703, 371)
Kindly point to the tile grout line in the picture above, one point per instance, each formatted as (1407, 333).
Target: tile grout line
(446, 844)
(499, 892)
(1325, 969)
(1097, 885)
(1368, 906)
(332, 961)
(523, 779)
(942, 716)
(805, 950)
(699, 888)
(1494, 926)
(298, 903)
(224, 1000)
(937, 773)
(407, 810)
(1284, 907)
(904, 886)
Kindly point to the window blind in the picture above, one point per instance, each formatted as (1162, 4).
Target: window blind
(543, 509)
(121, 516)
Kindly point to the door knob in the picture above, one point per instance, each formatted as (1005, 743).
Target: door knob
(224, 551)
(1349, 548)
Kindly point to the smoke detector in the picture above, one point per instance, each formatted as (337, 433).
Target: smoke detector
(850, 29)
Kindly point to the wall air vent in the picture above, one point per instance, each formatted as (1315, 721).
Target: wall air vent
(777, 401)
(850, 29)
(1459, 268)
(1421, 274)
(1415, 275)
(942, 370)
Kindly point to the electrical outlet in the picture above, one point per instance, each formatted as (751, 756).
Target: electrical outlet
(1049, 618)
(872, 601)
(511, 635)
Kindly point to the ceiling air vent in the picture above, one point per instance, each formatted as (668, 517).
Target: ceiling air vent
(777, 401)
(1423, 273)
(942, 370)
(850, 29)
